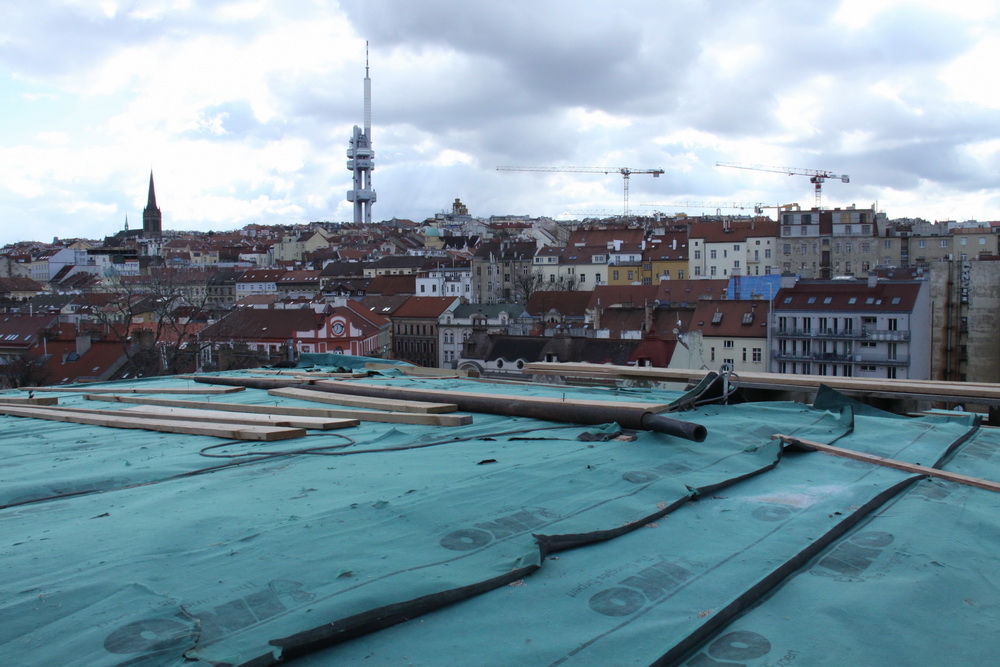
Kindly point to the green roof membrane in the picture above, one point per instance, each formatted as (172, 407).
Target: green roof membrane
(167, 557)
(658, 593)
(917, 583)
(126, 547)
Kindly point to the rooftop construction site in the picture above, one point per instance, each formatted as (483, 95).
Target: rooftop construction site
(349, 511)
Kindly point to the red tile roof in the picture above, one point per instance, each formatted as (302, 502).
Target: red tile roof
(849, 295)
(731, 319)
(424, 307)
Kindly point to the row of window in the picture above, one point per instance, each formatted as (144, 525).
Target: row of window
(756, 354)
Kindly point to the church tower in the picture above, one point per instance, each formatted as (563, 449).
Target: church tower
(152, 218)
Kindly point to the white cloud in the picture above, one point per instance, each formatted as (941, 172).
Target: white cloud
(243, 108)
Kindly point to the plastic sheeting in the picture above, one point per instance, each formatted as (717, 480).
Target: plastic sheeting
(508, 540)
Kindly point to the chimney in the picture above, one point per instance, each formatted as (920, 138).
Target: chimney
(872, 280)
(82, 344)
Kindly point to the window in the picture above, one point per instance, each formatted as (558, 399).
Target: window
(712, 354)
(728, 344)
(922, 243)
(786, 231)
(697, 254)
(811, 299)
(893, 324)
(847, 229)
(712, 253)
(964, 240)
(786, 248)
(614, 274)
(744, 355)
(943, 243)
(711, 270)
(757, 355)
(767, 253)
(982, 240)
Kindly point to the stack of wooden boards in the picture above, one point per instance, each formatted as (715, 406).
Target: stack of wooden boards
(233, 421)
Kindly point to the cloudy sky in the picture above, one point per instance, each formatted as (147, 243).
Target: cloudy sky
(243, 108)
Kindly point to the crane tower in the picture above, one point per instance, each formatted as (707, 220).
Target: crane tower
(816, 176)
(626, 172)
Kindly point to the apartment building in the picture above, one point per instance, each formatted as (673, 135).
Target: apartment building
(827, 243)
(737, 246)
(877, 329)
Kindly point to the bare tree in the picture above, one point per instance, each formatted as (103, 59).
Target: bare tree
(156, 318)
(526, 284)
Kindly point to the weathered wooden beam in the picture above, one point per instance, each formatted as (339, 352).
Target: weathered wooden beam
(226, 417)
(362, 415)
(137, 390)
(418, 371)
(231, 432)
(377, 415)
(956, 391)
(890, 463)
(394, 405)
(25, 400)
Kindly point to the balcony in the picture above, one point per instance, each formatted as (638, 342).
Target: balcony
(847, 334)
(822, 357)
(829, 358)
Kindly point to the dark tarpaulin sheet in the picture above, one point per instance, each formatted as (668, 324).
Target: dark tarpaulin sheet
(286, 553)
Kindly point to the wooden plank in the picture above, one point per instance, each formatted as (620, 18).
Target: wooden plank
(233, 432)
(417, 392)
(194, 414)
(306, 374)
(139, 390)
(418, 371)
(26, 400)
(362, 415)
(957, 390)
(393, 405)
(891, 463)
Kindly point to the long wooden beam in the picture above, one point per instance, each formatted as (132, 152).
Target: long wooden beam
(362, 415)
(226, 417)
(434, 419)
(956, 390)
(214, 417)
(392, 405)
(137, 390)
(231, 432)
(27, 400)
(890, 463)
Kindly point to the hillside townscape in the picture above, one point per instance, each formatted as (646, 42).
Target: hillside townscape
(838, 292)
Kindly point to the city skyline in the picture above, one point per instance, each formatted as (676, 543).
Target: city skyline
(243, 110)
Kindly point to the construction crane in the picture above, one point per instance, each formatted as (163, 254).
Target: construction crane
(816, 176)
(758, 207)
(626, 172)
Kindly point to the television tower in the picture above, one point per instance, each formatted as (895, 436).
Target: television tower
(361, 159)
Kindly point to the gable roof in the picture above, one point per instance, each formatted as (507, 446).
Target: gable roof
(567, 303)
(424, 307)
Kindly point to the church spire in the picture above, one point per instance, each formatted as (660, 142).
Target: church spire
(151, 200)
(152, 218)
